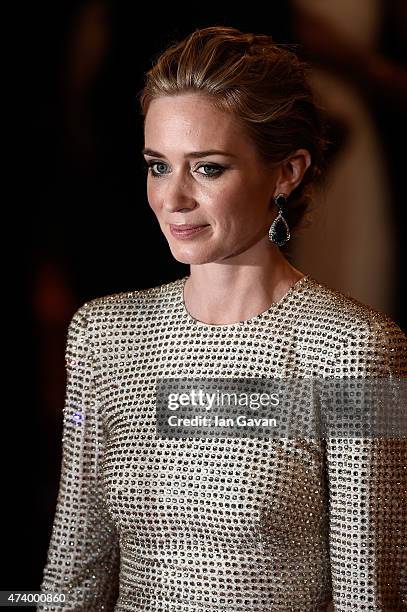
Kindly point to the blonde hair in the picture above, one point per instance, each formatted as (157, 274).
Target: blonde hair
(264, 84)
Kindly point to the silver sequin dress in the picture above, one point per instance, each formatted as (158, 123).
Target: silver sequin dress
(150, 524)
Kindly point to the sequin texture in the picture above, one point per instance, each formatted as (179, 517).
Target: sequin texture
(228, 524)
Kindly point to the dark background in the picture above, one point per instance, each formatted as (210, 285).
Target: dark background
(80, 222)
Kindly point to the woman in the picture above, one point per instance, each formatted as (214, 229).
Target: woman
(149, 523)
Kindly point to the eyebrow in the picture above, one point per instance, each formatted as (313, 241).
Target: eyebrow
(152, 153)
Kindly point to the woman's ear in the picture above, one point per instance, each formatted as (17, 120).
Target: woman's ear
(291, 171)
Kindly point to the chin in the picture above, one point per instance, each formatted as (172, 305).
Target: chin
(191, 258)
(195, 261)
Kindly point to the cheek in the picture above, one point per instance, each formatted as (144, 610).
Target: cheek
(153, 196)
(242, 217)
(239, 197)
(234, 207)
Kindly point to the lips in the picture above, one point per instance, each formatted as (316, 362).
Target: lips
(180, 228)
(187, 231)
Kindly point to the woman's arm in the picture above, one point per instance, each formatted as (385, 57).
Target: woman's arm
(83, 554)
(368, 496)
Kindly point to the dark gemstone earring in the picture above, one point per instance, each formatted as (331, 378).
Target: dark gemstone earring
(279, 231)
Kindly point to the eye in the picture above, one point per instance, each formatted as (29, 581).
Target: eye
(150, 167)
(217, 170)
(214, 169)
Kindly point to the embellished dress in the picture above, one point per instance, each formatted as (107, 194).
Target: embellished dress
(145, 523)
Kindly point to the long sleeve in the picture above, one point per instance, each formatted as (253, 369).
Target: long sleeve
(83, 554)
(368, 492)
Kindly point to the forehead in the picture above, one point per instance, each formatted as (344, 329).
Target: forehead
(189, 118)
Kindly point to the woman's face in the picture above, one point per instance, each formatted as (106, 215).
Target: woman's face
(228, 191)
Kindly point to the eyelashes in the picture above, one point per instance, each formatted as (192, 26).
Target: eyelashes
(217, 170)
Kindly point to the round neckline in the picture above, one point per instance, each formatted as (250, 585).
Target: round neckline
(273, 306)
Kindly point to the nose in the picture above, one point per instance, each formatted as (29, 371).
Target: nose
(178, 194)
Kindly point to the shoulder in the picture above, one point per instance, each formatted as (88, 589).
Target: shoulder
(344, 314)
(366, 333)
(122, 308)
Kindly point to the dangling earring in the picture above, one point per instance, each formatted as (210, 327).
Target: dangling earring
(279, 231)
